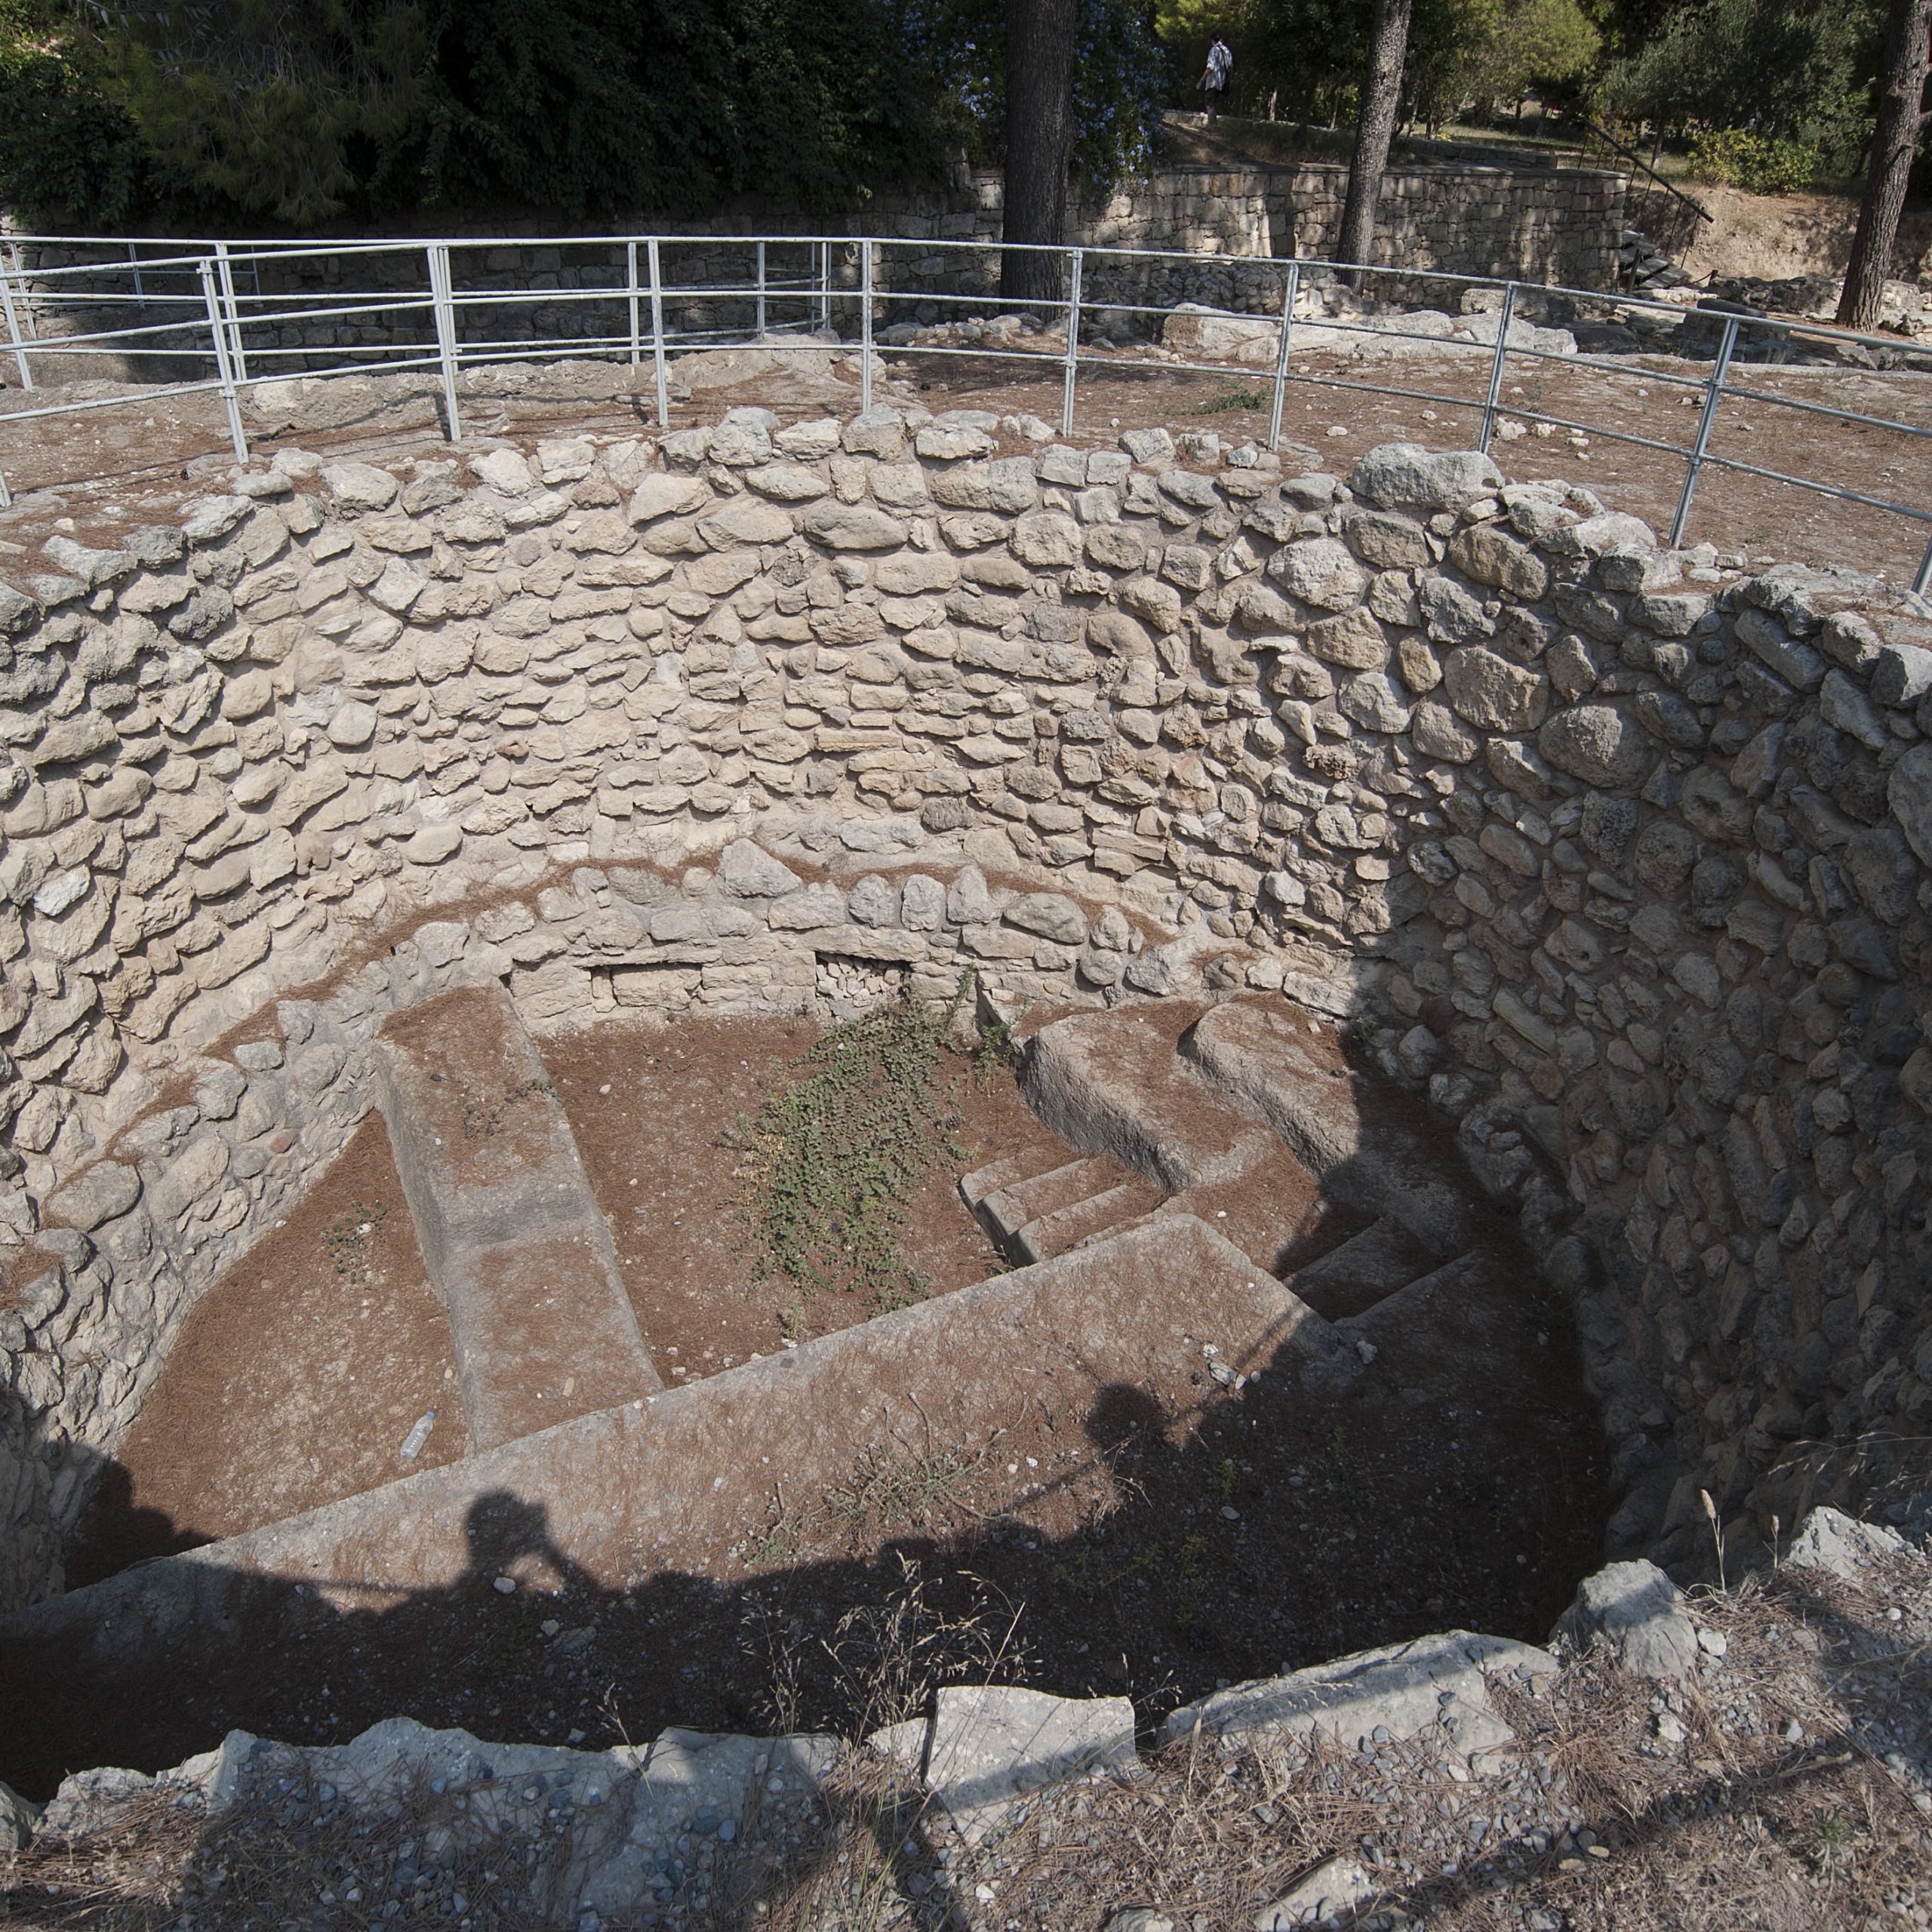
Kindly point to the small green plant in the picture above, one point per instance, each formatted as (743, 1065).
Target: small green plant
(1224, 1479)
(1342, 1469)
(893, 1488)
(1831, 1839)
(834, 1158)
(1760, 164)
(996, 1044)
(1233, 395)
(347, 1240)
(1363, 1034)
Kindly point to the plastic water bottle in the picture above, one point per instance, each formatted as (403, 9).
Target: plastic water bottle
(413, 1443)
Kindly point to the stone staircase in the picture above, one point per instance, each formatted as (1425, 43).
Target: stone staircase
(1234, 1117)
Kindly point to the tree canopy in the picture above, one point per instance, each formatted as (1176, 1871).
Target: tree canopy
(299, 112)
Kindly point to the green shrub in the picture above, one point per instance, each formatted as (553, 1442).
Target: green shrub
(67, 153)
(1735, 157)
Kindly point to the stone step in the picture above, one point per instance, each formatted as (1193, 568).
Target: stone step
(1439, 1334)
(1097, 1217)
(1366, 1141)
(1005, 1212)
(1111, 1083)
(1364, 1270)
(511, 1233)
(1004, 1172)
(679, 1480)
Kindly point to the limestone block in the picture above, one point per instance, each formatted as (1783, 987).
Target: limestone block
(1406, 1691)
(1640, 1614)
(360, 486)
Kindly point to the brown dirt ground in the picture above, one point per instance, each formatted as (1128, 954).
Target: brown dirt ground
(648, 1105)
(294, 1381)
(108, 469)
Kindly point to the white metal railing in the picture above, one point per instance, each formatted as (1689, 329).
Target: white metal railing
(204, 305)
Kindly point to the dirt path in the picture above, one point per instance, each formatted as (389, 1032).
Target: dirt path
(101, 473)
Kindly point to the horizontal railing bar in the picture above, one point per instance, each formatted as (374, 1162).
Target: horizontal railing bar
(1821, 489)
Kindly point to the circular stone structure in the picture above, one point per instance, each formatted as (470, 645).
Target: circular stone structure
(1616, 855)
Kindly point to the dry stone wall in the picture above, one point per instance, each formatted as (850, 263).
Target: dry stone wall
(1619, 855)
(1558, 226)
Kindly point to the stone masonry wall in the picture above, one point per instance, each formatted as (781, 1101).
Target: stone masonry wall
(1620, 854)
(1556, 226)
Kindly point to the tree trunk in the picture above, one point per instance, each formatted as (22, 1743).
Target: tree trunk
(1901, 90)
(1039, 142)
(1375, 128)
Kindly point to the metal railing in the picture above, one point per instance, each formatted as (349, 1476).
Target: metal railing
(206, 305)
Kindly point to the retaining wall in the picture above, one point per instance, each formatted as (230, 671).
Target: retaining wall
(1619, 853)
(1546, 225)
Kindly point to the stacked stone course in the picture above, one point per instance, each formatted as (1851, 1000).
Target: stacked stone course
(1623, 850)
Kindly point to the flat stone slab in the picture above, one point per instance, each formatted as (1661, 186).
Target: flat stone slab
(1357, 1138)
(511, 1233)
(604, 1826)
(989, 1745)
(681, 1480)
(1406, 1689)
(1110, 1083)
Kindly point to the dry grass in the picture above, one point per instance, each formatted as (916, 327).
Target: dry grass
(1755, 1795)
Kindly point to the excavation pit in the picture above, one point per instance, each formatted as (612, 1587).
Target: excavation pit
(1522, 928)
(1160, 1466)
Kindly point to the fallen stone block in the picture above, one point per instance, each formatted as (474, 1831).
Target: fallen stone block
(1639, 1614)
(986, 1745)
(1828, 1540)
(1441, 1681)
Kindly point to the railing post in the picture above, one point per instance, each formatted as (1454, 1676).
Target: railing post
(761, 291)
(1071, 375)
(6, 495)
(864, 325)
(1506, 316)
(14, 334)
(134, 263)
(657, 334)
(441, 301)
(1921, 585)
(230, 313)
(1281, 354)
(823, 279)
(630, 292)
(224, 368)
(1706, 418)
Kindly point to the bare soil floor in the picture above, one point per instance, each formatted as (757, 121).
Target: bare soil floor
(295, 1381)
(657, 1112)
(108, 469)
(1159, 1539)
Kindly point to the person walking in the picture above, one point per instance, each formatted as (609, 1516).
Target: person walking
(1214, 78)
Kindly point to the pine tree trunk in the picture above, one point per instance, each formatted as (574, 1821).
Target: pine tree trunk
(1039, 142)
(1902, 88)
(1375, 128)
